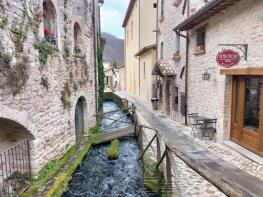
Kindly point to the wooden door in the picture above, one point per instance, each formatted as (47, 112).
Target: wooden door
(247, 112)
(168, 95)
(79, 119)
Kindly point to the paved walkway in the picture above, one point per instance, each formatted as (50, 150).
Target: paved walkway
(223, 164)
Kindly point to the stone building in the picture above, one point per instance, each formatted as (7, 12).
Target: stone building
(48, 75)
(230, 92)
(140, 44)
(171, 91)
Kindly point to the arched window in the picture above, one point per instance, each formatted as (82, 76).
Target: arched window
(50, 22)
(77, 39)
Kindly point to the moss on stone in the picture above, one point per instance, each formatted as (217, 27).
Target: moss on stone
(48, 172)
(113, 152)
(153, 178)
(62, 181)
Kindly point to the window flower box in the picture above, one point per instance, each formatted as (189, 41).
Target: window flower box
(77, 49)
(50, 37)
(199, 50)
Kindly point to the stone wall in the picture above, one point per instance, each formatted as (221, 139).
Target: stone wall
(172, 16)
(240, 23)
(37, 103)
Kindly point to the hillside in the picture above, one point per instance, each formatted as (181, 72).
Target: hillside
(114, 48)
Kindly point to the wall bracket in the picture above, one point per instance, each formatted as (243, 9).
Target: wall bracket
(241, 47)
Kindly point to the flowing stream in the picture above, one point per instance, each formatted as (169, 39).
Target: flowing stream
(98, 176)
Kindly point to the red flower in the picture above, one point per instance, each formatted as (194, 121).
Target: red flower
(46, 31)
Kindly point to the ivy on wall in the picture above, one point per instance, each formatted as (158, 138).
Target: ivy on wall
(15, 76)
(101, 76)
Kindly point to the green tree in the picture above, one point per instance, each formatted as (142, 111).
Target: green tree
(100, 76)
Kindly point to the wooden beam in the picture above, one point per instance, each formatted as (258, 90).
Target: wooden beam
(242, 71)
(144, 151)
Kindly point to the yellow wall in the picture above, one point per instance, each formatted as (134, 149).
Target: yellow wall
(147, 23)
(148, 59)
(131, 47)
(139, 34)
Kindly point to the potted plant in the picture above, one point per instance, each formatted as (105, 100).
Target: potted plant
(77, 49)
(155, 102)
(50, 36)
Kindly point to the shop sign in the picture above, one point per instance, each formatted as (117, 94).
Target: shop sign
(228, 58)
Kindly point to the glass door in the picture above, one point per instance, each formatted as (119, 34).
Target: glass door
(246, 124)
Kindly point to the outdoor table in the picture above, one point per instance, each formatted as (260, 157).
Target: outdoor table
(201, 125)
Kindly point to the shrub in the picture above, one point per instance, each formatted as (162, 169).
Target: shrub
(113, 152)
(48, 172)
(153, 178)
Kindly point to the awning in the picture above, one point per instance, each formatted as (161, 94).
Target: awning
(209, 10)
(242, 71)
(163, 68)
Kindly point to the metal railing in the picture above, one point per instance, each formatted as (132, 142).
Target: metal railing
(15, 169)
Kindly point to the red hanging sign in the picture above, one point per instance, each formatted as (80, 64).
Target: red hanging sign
(228, 58)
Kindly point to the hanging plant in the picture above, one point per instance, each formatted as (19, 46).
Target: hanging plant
(45, 49)
(3, 22)
(77, 49)
(50, 36)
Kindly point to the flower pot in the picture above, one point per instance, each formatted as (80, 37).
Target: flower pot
(200, 48)
(155, 102)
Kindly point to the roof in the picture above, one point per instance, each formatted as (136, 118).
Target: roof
(209, 10)
(128, 12)
(163, 68)
(145, 49)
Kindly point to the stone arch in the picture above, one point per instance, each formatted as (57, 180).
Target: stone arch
(50, 20)
(78, 46)
(14, 127)
(80, 117)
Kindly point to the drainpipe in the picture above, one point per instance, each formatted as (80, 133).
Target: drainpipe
(178, 35)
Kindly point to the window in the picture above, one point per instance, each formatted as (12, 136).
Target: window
(161, 50)
(161, 19)
(144, 65)
(162, 8)
(200, 39)
(50, 22)
(77, 39)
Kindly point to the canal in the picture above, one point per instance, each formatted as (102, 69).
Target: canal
(97, 176)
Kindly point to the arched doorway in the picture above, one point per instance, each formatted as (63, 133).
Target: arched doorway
(80, 116)
(14, 157)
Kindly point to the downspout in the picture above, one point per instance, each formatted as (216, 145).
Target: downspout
(178, 34)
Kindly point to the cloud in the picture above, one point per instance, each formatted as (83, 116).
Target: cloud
(112, 15)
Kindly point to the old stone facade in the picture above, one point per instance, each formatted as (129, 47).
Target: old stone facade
(49, 98)
(239, 22)
(170, 13)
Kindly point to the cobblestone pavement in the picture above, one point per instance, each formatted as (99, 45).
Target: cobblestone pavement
(225, 153)
(188, 182)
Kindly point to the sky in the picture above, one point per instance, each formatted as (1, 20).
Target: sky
(112, 15)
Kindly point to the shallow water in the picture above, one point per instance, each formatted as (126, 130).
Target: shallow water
(98, 176)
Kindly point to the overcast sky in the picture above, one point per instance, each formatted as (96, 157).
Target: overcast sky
(112, 15)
